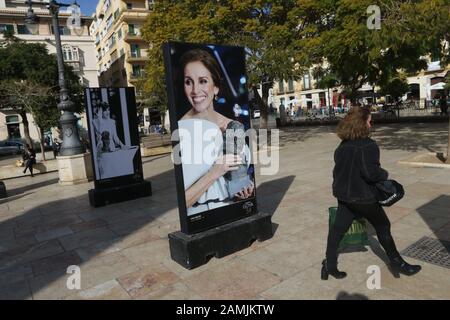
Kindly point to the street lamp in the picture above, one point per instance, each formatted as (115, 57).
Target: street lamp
(71, 144)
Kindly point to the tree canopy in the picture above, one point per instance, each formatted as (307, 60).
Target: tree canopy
(264, 28)
(284, 38)
(343, 38)
(29, 83)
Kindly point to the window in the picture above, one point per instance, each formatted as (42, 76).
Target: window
(135, 51)
(106, 5)
(290, 85)
(136, 71)
(119, 34)
(151, 4)
(70, 53)
(129, 6)
(121, 52)
(109, 22)
(12, 119)
(111, 41)
(113, 56)
(306, 82)
(116, 14)
(281, 85)
(131, 29)
(22, 29)
(6, 27)
(63, 30)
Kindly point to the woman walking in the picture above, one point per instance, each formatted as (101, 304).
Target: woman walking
(30, 157)
(357, 168)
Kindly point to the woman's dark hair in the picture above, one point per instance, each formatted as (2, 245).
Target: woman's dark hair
(104, 106)
(208, 61)
(354, 125)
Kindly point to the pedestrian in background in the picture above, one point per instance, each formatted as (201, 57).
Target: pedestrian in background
(30, 157)
(56, 146)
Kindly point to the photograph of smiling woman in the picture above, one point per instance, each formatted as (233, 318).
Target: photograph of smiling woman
(208, 183)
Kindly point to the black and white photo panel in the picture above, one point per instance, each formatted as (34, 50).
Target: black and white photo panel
(113, 133)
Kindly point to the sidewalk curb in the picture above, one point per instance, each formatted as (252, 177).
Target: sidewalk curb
(425, 164)
(12, 172)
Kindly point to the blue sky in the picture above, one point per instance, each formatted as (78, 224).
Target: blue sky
(87, 6)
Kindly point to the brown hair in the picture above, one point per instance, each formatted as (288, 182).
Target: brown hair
(208, 61)
(354, 125)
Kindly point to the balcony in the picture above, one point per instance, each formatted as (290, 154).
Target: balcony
(135, 57)
(134, 14)
(135, 75)
(75, 65)
(134, 37)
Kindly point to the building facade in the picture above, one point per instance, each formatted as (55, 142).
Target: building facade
(77, 46)
(303, 93)
(424, 87)
(120, 51)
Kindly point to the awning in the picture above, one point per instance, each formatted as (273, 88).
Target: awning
(438, 86)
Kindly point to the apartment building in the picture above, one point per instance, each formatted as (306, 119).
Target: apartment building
(303, 93)
(424, 87)
(78, 51)
(120, 50)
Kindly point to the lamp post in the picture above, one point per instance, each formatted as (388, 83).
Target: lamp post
(71, 144)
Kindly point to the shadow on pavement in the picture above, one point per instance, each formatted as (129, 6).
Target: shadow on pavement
(436, 214)
(156, 158)
(49, 258)
(411, 136)
(14, 197)
(343, 295)
(28, 267)
(269, 194)
(33, 186)
(289, 135)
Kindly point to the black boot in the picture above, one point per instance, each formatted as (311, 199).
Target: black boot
(399, 265)
(327, 270)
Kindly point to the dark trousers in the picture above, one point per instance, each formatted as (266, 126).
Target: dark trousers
(29, 166)
(376, 216)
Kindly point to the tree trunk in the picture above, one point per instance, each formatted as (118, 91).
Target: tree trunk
(447, 160)
(41, 142)
(26, 128)
(263, 104)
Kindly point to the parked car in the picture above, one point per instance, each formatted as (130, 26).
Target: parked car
(11, 147)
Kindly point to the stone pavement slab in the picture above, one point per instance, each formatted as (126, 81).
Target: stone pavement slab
(123, 251)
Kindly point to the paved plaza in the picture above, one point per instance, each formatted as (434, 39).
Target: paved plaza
(123, 249)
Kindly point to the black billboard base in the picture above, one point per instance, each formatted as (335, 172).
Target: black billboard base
(2, 190)
(102, 197)
(192, 251)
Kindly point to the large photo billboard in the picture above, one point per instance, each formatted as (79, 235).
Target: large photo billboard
(209, 111)
(113, 135)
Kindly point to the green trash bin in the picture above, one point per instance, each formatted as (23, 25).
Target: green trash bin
(355, 235)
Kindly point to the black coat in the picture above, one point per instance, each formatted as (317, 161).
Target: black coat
(357, 168)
